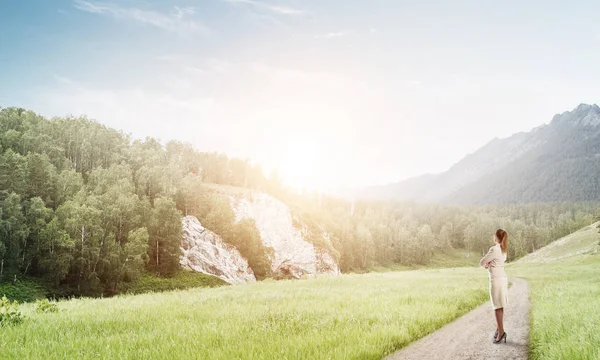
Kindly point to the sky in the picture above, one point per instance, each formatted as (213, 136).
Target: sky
(332, 93)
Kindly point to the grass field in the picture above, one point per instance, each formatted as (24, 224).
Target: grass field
(565, 292)
(355, 316)
(451, 258)
(454, 258)
(347, 317)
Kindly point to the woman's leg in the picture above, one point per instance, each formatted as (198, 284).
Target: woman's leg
(500, 321)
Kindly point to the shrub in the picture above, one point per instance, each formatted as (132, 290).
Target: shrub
(9, 312)
(26, 290)
(45, 306)
(181, 281)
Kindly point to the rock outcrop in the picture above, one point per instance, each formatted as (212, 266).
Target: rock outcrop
(205, 252)
(294, 257)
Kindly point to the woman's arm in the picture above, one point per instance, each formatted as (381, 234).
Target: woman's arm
(487, 258)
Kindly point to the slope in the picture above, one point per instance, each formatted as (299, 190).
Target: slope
(564, 311)
(564, 287)
(554, 162)
(564, 167)
(584, 241)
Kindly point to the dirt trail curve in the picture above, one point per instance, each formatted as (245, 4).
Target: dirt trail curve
(470, 337)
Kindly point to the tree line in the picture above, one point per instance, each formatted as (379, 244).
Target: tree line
(370, 233)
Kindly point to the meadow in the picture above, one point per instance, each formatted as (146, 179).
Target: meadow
(565, 317)
(564, 290)
(360, 316)
(354, 316)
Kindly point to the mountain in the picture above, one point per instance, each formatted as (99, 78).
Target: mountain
(559, 161)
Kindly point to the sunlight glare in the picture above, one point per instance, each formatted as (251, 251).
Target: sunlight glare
(298, 163)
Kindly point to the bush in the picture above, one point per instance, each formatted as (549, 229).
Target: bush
(44, 306)
(9, 312)
(181, 281)
(25, 290)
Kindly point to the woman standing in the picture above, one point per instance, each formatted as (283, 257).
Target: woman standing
(494, 262)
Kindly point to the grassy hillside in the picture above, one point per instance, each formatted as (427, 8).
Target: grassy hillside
(583, 241)
(347, 317)
(564, 292)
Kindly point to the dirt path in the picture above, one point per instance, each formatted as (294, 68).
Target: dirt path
(470, 337)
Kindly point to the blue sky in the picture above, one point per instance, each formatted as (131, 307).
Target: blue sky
(332, 92)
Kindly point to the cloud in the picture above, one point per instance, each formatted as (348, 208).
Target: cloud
(280, 73)
(143, 111)
(199, 66)
(279, 9)
(176, 58)
(333, 35)
(286, 10)
(176, 21)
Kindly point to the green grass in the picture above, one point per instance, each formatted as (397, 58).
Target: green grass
(452, 258)
(580, 242)
(182, 281)
(565, 295)
(346, 317)
(359, 316)
(384, 269)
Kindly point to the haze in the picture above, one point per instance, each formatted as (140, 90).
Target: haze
(332, 93)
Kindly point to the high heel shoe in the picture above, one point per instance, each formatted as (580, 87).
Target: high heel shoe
(495, 334)
(500, 340)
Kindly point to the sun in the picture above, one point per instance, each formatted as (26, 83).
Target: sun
(299, 163)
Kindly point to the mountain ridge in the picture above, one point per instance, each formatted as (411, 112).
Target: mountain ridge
(481, 177)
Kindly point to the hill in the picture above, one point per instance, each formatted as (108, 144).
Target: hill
(552, 163)
(563, 278)
(584, 241)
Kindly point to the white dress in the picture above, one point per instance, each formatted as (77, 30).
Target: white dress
(498, 278)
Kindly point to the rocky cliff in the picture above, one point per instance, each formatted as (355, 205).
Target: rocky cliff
(293, 255)
(205, 252)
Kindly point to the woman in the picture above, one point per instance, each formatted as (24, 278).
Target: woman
(494, 262)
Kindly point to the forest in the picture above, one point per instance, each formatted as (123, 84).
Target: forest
(86, 209)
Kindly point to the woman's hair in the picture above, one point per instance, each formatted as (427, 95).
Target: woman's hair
(502, 236)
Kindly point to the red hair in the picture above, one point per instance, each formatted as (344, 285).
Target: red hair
(502, 236)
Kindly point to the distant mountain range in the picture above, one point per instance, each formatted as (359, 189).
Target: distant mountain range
(555, 162)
